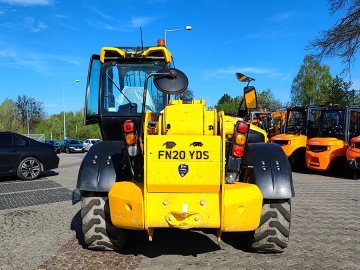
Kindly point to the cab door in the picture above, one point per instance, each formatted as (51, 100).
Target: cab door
(92, 91)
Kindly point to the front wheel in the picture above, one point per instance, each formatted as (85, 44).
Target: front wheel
(273, 233)
(98, 231)
(67, 151)
(29, 169)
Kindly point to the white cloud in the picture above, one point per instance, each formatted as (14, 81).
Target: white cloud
(28, 23)
(223, 72)
(134, 23)
(27, 2)
(99, 13)
(38, 62)
(232, 71)
(141, 21)
(281, 17)
(32, 25)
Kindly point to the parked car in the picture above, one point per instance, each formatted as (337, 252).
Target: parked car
(55, 145)
(71, 146)
(25, 157)
(90, 142)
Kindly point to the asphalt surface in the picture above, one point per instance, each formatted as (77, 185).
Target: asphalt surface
(40, 229)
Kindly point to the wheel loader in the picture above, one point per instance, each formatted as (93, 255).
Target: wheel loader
(300, 125)
(337, 127)
(169, 163)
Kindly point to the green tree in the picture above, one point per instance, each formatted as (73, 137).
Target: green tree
(228, 104)
(342, 39)
(265, 98)
(30, 111)
(311, 84)
(340, 93)
(267, 101)
(75, 128)
(9, 120)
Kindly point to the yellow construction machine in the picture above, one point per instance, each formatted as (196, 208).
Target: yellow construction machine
(169, 163)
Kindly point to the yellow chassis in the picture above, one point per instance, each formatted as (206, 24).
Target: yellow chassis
(202, 198)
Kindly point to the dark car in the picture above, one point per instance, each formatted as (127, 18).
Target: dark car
(55, 145)
(25, 157)
(71, 146)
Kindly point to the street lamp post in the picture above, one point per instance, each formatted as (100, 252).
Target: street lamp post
(188, 27)
(63, 88)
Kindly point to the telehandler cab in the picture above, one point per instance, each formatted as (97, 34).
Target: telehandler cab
(301, 124)
(167, 163)
(337, 127)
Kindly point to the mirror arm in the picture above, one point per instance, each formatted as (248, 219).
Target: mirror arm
(144, 98)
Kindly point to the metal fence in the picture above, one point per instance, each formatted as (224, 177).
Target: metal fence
(37, 137)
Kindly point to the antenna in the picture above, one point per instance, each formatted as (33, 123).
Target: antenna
(142, 43)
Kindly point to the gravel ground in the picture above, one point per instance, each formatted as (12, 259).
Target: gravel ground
(324, 232)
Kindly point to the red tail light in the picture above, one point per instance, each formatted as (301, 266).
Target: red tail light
(238, 151)
(129, 126)
(242, 127)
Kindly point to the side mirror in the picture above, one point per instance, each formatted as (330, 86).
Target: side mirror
(250, 97)
(171, 81)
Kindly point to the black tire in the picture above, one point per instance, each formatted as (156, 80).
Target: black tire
(98, 231)
(273, 233)
(29, 168)
(67, 151)
(297, 160)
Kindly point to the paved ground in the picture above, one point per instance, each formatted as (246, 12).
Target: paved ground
(40, 229)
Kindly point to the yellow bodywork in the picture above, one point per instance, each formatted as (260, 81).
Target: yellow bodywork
(184, 181)
(157, 51)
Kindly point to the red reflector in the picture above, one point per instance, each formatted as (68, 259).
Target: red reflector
(129, 126)
(238, 151)
(242, 127)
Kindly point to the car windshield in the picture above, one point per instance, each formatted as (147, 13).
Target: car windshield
(124, 84)
(94, 141)
(73, 142)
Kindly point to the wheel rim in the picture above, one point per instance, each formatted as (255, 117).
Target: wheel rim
(30, 169)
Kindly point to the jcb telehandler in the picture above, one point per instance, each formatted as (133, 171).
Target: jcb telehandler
(167, 163)
(301, 124)
(337, 127)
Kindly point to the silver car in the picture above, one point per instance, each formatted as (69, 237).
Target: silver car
(90, 142)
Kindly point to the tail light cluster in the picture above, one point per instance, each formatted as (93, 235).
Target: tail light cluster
(237, 150)
(239, 142)
(130, 137)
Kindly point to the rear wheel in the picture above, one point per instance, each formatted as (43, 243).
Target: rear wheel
(98, 231)
(29, 169)
(273, 233)
(67, 151)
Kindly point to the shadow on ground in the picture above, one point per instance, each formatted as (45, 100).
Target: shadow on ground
(170, 241)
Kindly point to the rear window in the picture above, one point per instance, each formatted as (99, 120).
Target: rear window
(5, 139)
(73, 142)
(18, 140)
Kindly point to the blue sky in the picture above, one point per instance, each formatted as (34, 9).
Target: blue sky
(45, 43)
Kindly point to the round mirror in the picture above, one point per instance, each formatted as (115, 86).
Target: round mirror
(171, 81)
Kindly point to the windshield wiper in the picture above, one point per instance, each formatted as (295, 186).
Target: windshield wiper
(131, 104)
